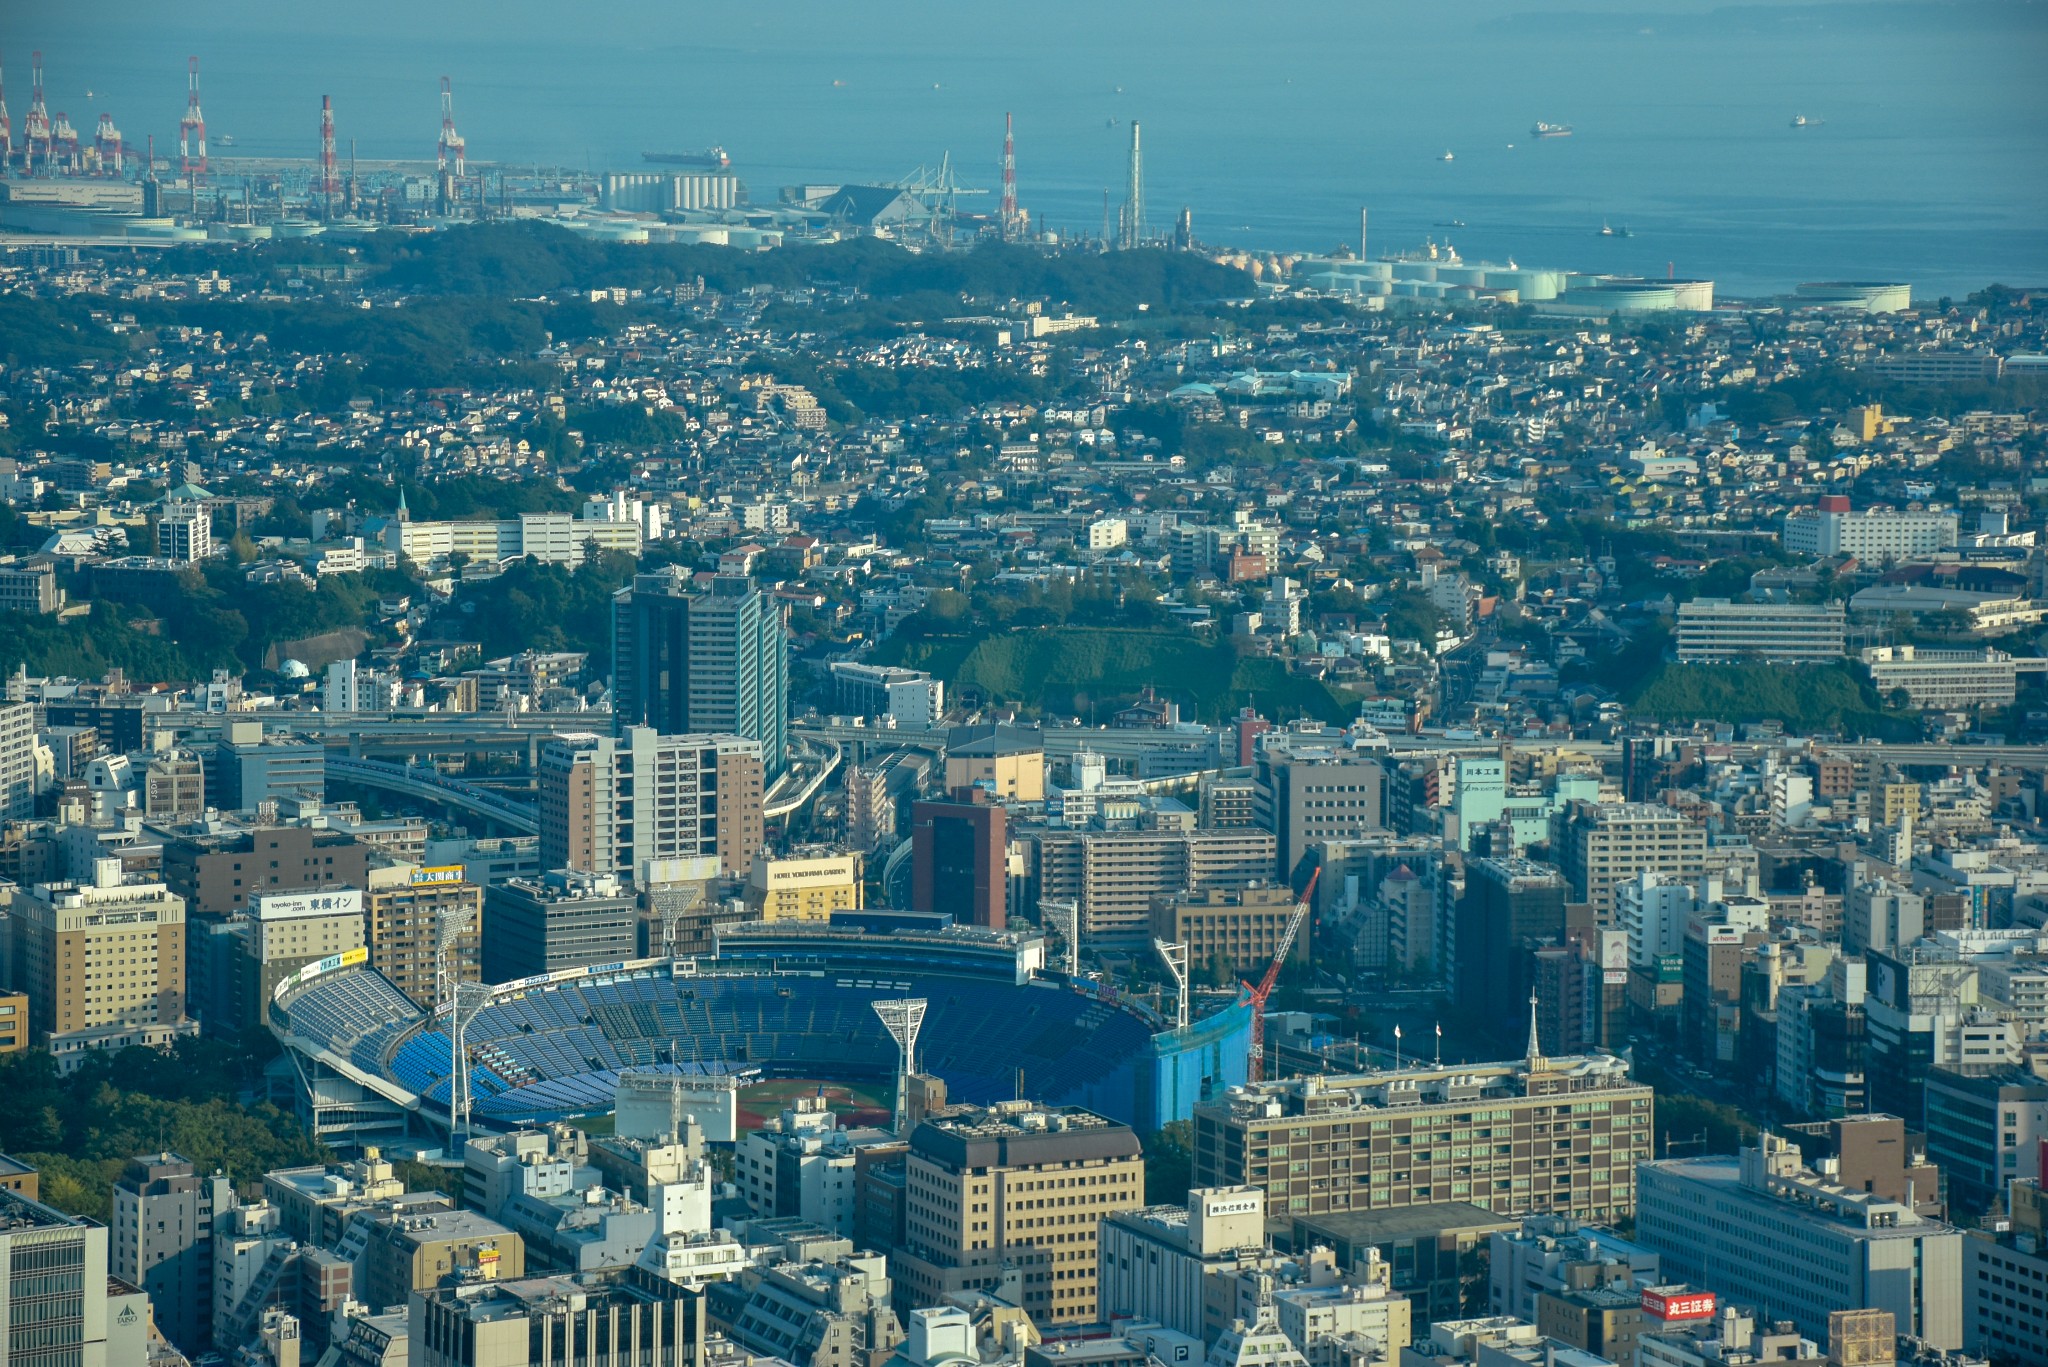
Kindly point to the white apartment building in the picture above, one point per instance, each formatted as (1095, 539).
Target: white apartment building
(184, 531)
(909, 697)
(696, 811)
(351, 688)
(17, 761)
(1873, 534)
(1716, 630)
(1107, 533)
(556, 538)
(1946, 678)
(1652, 909)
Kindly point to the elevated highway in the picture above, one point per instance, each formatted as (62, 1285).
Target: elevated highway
(417, 781)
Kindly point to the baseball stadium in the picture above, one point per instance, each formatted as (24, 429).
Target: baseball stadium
(777, 1000)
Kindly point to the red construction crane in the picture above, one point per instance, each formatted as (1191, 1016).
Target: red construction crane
(452, 149)
(192, 128)
(1255, 1066)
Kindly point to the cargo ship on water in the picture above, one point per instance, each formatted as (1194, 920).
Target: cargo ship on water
(711, 159)
(1550, 130)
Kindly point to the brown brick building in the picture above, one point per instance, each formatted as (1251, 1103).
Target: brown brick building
(219, 874)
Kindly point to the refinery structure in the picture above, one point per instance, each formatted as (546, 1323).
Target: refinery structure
(58, 187)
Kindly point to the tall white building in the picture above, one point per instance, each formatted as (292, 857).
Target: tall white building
(17, 761)
(1880, 914)
(1178, 1264)
(184, 532)
(1652, 908)
(351, 688)
(650, 808)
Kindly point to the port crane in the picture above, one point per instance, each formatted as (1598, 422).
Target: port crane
(935, 188)
(1256, 1064)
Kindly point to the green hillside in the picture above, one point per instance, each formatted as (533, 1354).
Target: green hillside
(1077, 671)
(1829, 697)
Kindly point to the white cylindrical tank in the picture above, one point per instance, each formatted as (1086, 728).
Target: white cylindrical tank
(1696, 296)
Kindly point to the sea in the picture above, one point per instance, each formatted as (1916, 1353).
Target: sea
(1924, 158)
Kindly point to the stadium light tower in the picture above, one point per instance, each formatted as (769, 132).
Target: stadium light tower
(448, 928)
(672, 904)
(1175, 957)
(1065, 917)
(902, 1017)
(469, 999)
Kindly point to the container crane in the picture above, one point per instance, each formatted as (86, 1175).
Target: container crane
(1255, 1069)
(107, 143)
(63, 142)
(35, 128)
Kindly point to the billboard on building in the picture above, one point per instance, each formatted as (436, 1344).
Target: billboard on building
(287, 906)
(1677, 1303)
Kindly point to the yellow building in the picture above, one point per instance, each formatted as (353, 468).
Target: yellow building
(1011, 765)
(803, 889)
(13, 1022)
(1895, 800)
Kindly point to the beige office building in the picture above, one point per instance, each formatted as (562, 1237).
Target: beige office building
(1598, 846)
(105, 956)
(1114, 876)
(414, 1247)
(1237, 931)
(1012, 767)
(1555, 1135)
(1016, 1187)
(410, 912)
(289, 931)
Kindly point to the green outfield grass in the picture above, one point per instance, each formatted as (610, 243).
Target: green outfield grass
(860, 1102)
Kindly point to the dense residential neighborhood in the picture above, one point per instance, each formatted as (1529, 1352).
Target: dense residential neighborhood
(581, 802)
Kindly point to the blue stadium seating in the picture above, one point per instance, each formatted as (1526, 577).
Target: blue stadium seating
(557, 1050)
